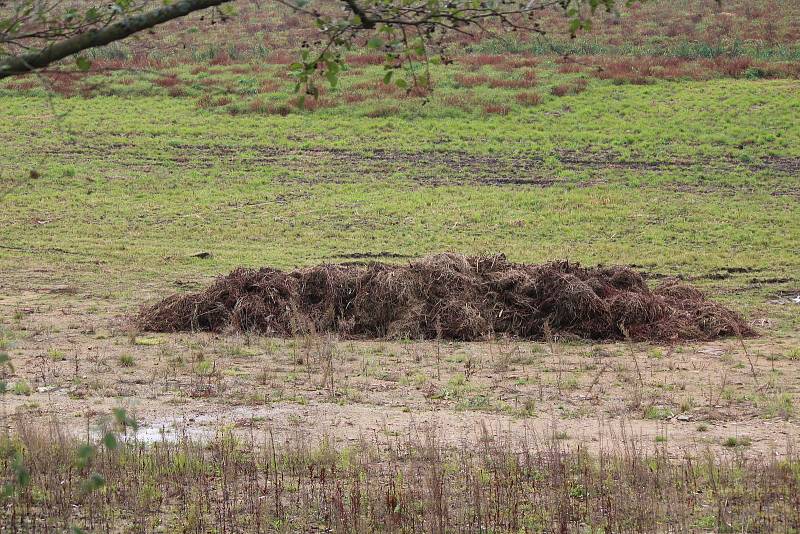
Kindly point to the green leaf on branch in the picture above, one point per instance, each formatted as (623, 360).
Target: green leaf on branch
(332, 77)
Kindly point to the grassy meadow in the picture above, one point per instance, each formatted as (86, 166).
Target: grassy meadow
(148, 181)
(667, 140)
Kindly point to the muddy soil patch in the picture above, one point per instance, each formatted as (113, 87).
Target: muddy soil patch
(429, 167)
(448, 296)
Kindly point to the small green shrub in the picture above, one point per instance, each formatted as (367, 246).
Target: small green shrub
(22, 388)
(736, 442)
(755, 73)
(656, 413)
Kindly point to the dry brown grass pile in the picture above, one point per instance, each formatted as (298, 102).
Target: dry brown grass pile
(448, 296)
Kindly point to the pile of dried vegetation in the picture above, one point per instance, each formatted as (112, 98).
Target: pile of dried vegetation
(449, 296)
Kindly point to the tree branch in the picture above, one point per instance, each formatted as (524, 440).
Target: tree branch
(366, 22)
(14, 65)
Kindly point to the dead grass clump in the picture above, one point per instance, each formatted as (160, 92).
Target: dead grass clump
(476, 61)
(576, 87)
(354, 98)
(383, 110)
(640, 70)
(385, 90)
(731, 67)
(278, 109)
(62, 83)
(366, 59)
(418, 91)
(528, 99)
(522, 62)
(463, 100)
(168, 81)
(448, 296)
(787, 70)
(716, 320)
(560, 90)
(570, 68)
(496, 109)
(570, 305)
(257, 106)
(270, 86)
(22, 85)
(206, 101)
(579, 85)
(381, 301)
(221, 58)
(310, 103)
(620, 278)
(512, 83)
(630, 308)
(281, 57)
(676, 290)
(268, 108)
(467, 81)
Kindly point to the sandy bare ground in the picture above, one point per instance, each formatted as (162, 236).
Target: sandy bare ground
(79, 358)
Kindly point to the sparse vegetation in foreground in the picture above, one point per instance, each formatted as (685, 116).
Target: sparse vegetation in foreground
(416, 484)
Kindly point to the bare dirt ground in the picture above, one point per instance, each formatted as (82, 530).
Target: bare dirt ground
(79, 358)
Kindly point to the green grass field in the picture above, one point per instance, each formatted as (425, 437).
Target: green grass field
(681, 178)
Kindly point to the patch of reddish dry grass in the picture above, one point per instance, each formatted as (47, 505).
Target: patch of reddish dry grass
(366, 59)
(281, 57)
(570, 68)
(477, 61)
(465, 80)
(208, 101)
(22, 84)
(270, 86)
(167, 81)
(529, 99)
(496, 109)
